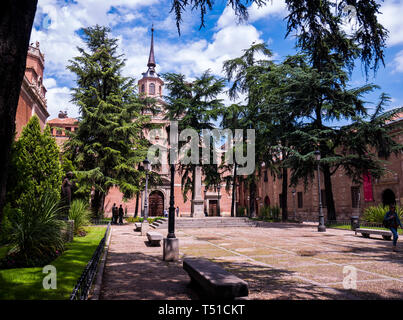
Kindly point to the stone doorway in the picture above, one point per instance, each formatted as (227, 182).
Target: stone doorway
(212, 208)
(156, 204)
(388, 197)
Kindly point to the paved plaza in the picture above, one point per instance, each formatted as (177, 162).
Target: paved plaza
(280, 261)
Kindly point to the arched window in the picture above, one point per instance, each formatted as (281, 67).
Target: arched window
(160, 91)
(152, 88)
(142, 88)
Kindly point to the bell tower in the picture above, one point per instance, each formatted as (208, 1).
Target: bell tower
(151, 84)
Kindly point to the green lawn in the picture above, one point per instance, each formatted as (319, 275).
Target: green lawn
(26, 283)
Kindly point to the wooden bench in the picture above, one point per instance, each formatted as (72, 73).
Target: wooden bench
(138, 226)
(216, 282)
(387, 235)
(154, 238)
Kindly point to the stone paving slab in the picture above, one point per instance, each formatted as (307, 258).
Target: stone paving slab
(278, 262)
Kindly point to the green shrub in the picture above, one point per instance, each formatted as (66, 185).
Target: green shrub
(265, 212)
(5, 227)
(36, 232)
(240, 211)
(275, 212)
(377, 213)
(80, 213)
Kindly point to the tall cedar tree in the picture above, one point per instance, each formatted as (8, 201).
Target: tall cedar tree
(243, 73)
(16, 19)
(194, 105)
(35, 167)
(109, 142)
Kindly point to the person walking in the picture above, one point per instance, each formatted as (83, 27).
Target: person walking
(120, 215)
(165, 213)
(391, 221)
(177, 211)
(114, 214)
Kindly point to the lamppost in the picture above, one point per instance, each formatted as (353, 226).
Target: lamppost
(144, 224)
(146, 169)
(295, 209)
(171, 214)
(321, 226)
(218, 204)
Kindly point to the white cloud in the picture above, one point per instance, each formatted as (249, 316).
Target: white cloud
(276, 8)
(391, 18)
(398, 62)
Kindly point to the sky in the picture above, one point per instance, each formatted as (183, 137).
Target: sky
(58, 22)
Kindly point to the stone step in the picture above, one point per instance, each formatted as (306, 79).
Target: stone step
(210, 222)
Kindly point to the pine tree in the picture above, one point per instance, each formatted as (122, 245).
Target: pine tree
(109, 142)
(194, 105)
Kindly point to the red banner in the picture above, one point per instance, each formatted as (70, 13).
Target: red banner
(368, 195)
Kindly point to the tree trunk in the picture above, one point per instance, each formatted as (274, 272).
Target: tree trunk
(97, 203)
(331, 211)
(284, 191)
(16, 19)
(137, 204)
(233, 209)
(252, 200)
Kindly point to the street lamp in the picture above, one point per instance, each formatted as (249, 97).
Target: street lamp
(144, 224)
(218, 204)
(171, 214)
(321, 226)
(295, 209)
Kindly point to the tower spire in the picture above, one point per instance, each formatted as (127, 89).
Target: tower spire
(151, 59)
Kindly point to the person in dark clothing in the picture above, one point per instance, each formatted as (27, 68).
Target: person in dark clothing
(120, 215)
(392, 221)
(114, 214)
(177, 211)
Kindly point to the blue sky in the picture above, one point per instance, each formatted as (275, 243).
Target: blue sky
(57, 24)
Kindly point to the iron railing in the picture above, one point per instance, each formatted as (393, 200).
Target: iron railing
(83, 286)
(362, 223)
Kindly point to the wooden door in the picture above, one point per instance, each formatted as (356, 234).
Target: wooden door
(156, 204)
(212, 208)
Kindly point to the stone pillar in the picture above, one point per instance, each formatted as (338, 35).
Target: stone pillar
(197, 202)
(171, 249)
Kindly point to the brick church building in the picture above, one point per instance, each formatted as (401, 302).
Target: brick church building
(214, 202)
(32, 99)
(350, 198)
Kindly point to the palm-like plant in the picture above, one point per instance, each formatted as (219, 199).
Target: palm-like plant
(377, 213)
(36, 231)
(80, 213)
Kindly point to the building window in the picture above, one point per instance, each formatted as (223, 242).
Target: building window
(160, 91)
(58, 132)
(355, 196)
(68, 128)
(142, 88)
(323, 196)
(300, 200)
(152, 88)
(265, 176)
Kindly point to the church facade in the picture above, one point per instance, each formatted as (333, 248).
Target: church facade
(32, 99)
(207, 202)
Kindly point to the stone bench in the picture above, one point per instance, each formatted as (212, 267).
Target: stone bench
(138, 226)
(387, 235)
(154, 238)
(215, 281)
